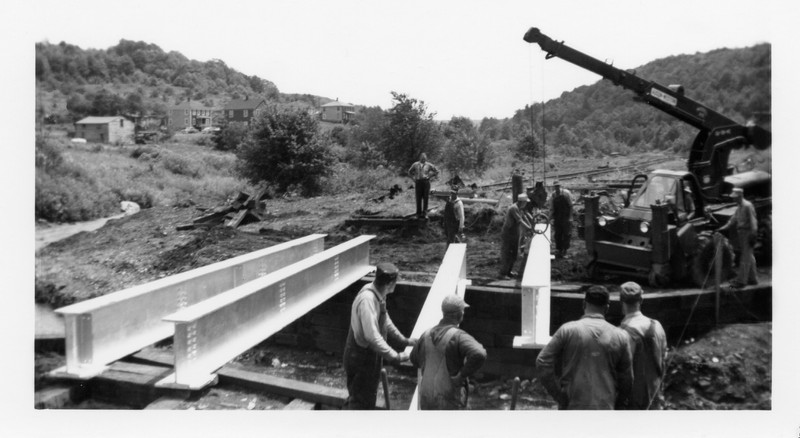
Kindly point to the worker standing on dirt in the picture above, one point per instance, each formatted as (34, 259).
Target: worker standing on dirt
(514, 225)
(447, 356)
(454, 218)
(649, 348)
(744, 219)
(587, 363)
(367, 340)
(422, 172)
(561, 209)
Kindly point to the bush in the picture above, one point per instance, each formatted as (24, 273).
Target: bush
(63, 198)
(180, 165)
(285, 149)
(230, 136)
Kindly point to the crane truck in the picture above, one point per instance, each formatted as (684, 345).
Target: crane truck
(663, 233)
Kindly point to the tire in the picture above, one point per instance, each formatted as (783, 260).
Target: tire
(659, 279)
(702, 268)
(593, 271)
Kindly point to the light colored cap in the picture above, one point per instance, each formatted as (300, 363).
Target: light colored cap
(737, 192)
(453, 303)
(630, 291)
(522, 197)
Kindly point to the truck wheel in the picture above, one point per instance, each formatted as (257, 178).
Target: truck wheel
(592, 271)
(659, 278)
(702, 268)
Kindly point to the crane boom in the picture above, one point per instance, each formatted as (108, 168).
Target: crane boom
(708, 157)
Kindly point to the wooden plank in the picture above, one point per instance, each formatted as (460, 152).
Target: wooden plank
(237, 219)
(300, 405)
(57, 396)
(167, 402)
(285, 387)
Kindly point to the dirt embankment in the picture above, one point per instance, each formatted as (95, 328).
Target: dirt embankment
(729, 368)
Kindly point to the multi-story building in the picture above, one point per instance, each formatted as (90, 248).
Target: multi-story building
(191, 114)
(337, 112)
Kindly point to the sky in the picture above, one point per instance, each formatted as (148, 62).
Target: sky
(462, 58)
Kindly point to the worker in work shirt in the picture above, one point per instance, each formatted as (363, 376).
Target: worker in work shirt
(454, 218)
(515, 224)
(587, 363)
(422, 172)
(367, 346)
(744, 220)
(649, 349)
(561, 209)
(447, 356)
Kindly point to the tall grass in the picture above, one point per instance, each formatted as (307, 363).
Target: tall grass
(83, 182)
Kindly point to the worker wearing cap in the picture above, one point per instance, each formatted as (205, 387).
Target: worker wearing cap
(367, 346)
(514, 225)
(746, 225)
(446, 357)
(454, 218)
(648, 346)
(587, 363)
(561, 209)
(422, 172)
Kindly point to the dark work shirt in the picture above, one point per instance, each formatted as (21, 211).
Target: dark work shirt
(587, 364)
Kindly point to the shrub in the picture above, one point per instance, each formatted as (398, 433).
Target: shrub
(63, 198)
(286, 150)
(230, 136)
(180, 165)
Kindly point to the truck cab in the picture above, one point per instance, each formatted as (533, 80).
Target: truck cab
(655, 233)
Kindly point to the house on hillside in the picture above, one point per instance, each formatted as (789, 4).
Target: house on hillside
(337, 112)
(191, 113)
(116, 129)
(243, 110)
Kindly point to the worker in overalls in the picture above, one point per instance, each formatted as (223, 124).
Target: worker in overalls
(454, 218)
(447, 356)
(746, 225)
(367, 346)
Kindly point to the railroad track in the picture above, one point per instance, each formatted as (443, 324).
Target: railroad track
(591, 172)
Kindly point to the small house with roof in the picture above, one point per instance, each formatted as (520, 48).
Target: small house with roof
(116, 129)
(191, 113)
(337, 112)
(243, 110)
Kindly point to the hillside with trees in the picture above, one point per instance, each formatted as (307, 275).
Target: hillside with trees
(136, 77)
(604, 118)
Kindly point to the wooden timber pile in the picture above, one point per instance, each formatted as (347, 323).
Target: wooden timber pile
(242, 210)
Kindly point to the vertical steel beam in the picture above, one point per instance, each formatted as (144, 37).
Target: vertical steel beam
(450, 279)
(104, 329)
(535, 316)
(213, 332)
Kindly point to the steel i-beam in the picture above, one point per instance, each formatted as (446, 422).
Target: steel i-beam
(104, 329)
(536, 292)
(450, 279)
(215, 331)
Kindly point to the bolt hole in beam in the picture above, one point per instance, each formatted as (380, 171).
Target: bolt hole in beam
(104, 329)
(450, 279)
(535, 316)
(211, 333)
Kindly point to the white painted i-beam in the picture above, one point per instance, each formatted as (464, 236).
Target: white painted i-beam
(104, 329)
(535, 316)
(213, 332)
(450, 279)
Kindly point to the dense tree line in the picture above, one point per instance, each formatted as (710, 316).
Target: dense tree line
(604, 118)
(92, 80)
